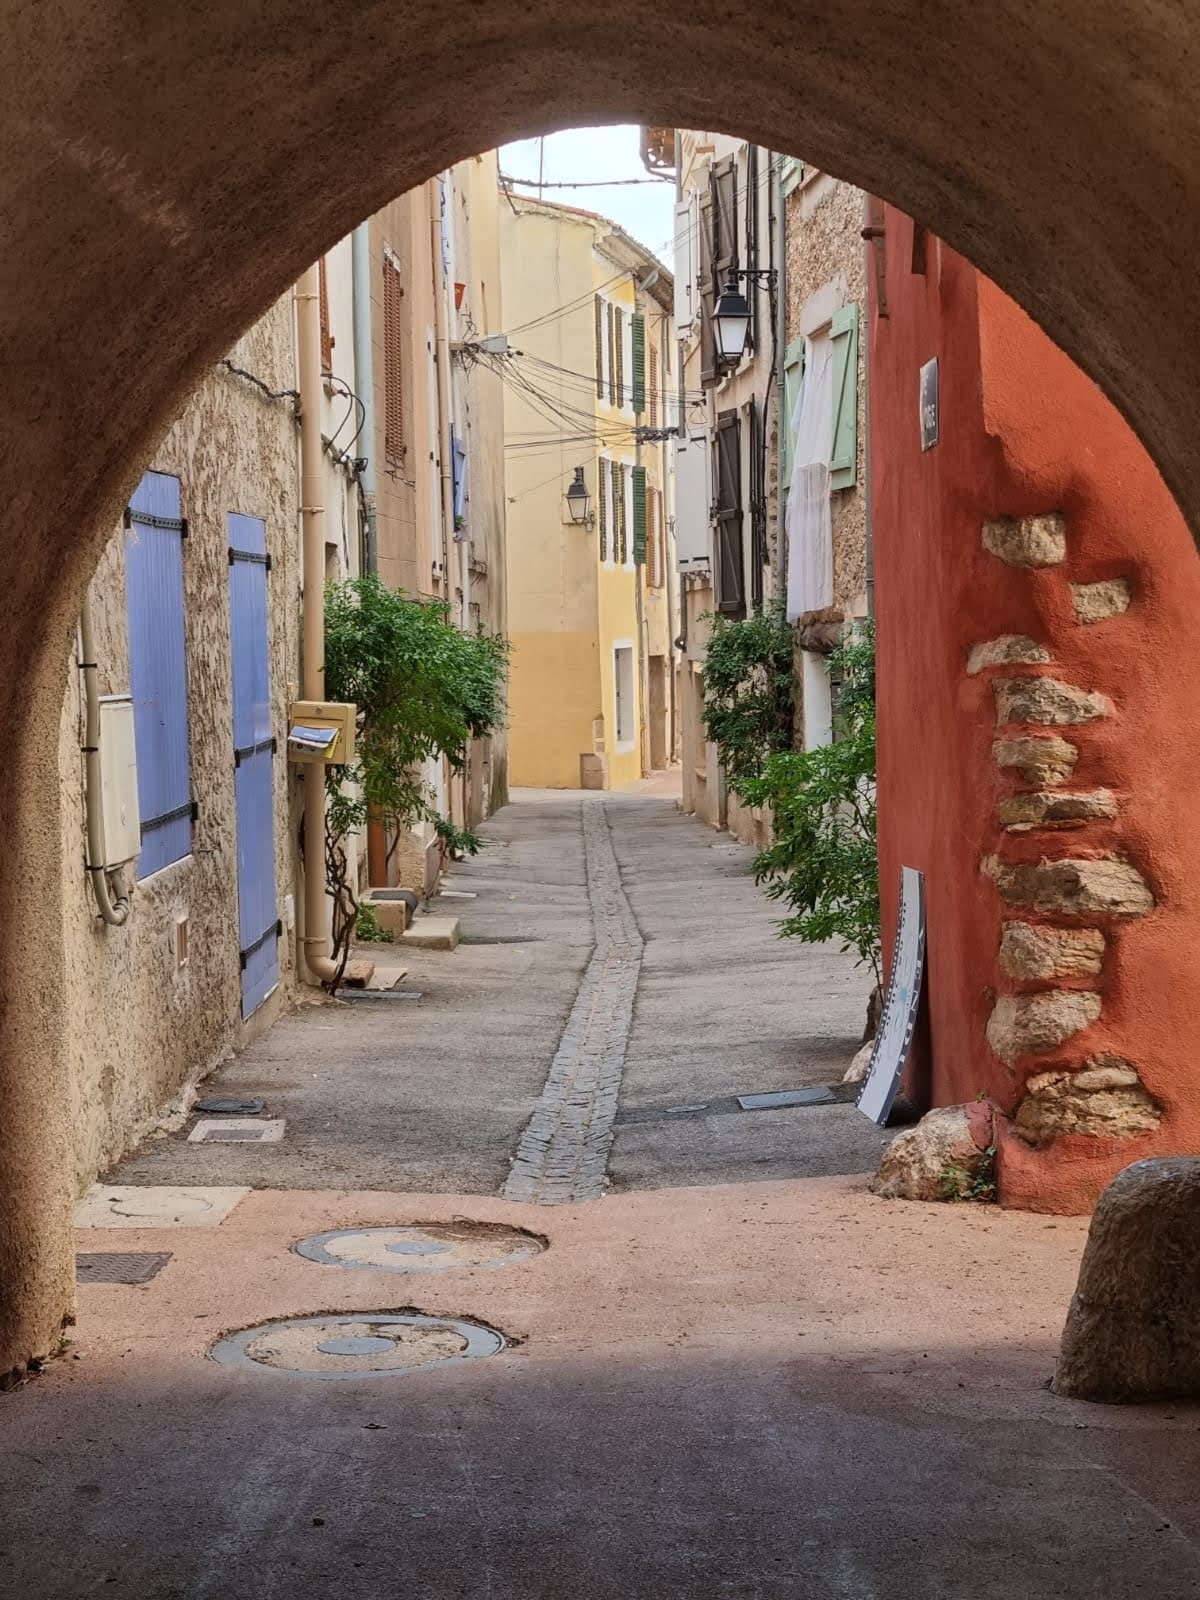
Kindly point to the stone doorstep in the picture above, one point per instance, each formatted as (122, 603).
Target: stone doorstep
(431, 933)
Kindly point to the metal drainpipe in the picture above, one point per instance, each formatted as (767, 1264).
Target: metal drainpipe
(784, 422)
(869, 521)
(312, 526)
(441, 312)
(364, 383)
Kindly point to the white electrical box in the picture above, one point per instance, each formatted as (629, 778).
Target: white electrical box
(118, 781)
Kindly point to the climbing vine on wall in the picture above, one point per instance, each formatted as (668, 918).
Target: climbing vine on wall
(423, 689)
(748, 696)
(823, 863)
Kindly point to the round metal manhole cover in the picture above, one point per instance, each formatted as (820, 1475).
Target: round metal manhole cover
(422, 1247)
(364, 1344)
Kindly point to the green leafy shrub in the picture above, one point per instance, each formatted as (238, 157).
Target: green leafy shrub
(823, 864)
(423, 689)
(749, 702)
(367, 927)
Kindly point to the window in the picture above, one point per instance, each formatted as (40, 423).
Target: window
(326, 337)
(619, 352)
(624, 694)
(154, 535)
(637, 340)
(728, 575)
(393, 388)
(640, 516)
(602, 516)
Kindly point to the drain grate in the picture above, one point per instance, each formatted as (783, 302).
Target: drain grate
(120, 1266)
(787, 1097)
(229, 1106)
(237, 1130)
(368, 1344)
(422, 1247)
(368, 996)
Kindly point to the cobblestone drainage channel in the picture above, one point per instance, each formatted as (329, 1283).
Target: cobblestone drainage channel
(365, 1344)
(422, 1247)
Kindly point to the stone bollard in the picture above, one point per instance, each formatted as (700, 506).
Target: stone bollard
(1133, 1330)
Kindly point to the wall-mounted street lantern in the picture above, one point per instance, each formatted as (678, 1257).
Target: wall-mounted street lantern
(731, 314)
(578, 500)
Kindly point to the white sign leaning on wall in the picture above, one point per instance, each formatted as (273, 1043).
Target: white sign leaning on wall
(900, 1008)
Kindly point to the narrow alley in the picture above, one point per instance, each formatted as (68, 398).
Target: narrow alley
(735, 1374)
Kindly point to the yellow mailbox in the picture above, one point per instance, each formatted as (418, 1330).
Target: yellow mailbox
(321, 731)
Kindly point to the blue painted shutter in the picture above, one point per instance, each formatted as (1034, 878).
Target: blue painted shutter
(253, 760)
(843, 462)
(459, 451)
(154, 535)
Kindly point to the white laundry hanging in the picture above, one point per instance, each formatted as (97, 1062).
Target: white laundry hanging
(809, 523)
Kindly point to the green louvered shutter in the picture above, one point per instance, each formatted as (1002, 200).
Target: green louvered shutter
(621, 533)
(639, 516)
(639, 364)
(603, 510)
(843, 461)
(599, 348)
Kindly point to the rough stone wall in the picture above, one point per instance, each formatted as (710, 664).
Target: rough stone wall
(141, 1028)
(824, 220)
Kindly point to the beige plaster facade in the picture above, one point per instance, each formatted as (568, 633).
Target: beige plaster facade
(153, 1005)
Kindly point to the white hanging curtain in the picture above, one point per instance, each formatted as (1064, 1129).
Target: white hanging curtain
(809, 525)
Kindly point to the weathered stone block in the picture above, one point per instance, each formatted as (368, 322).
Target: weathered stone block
(1107, 886)
(1105, 1097)
(1009, 647)
(1031, 951)
(1027, 541)
(857, 1070)
(1045, 761)
(1055, 809)
(939, 1158)
(1025, 1024)
(1095, 601)
(1046, 701)
(1131, 1332)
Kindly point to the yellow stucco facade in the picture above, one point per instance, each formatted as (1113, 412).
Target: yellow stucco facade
(591, 679)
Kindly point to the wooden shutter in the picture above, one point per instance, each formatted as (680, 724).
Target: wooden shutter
(619, 347)
(708, 332)
(728, 574)
(723, 187)
(603, 518)
(758, 504)
(599, 348)
(621, 532)
(638, 345)
(844, 456)
(793, 372)
(843, 461)
(393, 387)
(612, 353)
(326, 336)
(154, 597)
(639, 516)
(653, 396)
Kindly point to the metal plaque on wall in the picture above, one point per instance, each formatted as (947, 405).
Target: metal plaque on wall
(900, 1008)
(930, 417)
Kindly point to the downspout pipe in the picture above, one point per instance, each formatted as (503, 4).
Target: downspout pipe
(783, 422)
(364, 383)
(114, 909)
(441, 312)
(312, 531)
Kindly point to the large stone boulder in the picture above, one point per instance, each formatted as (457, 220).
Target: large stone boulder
(1133, 1330)
(945, 1157)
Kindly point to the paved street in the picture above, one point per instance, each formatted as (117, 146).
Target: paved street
(736, 1375)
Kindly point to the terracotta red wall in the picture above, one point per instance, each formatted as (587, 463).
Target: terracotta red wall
(1023, 432)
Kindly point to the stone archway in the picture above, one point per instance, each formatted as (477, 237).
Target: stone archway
(165, 172)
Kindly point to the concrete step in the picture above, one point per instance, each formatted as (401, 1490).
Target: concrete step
(431, 933)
